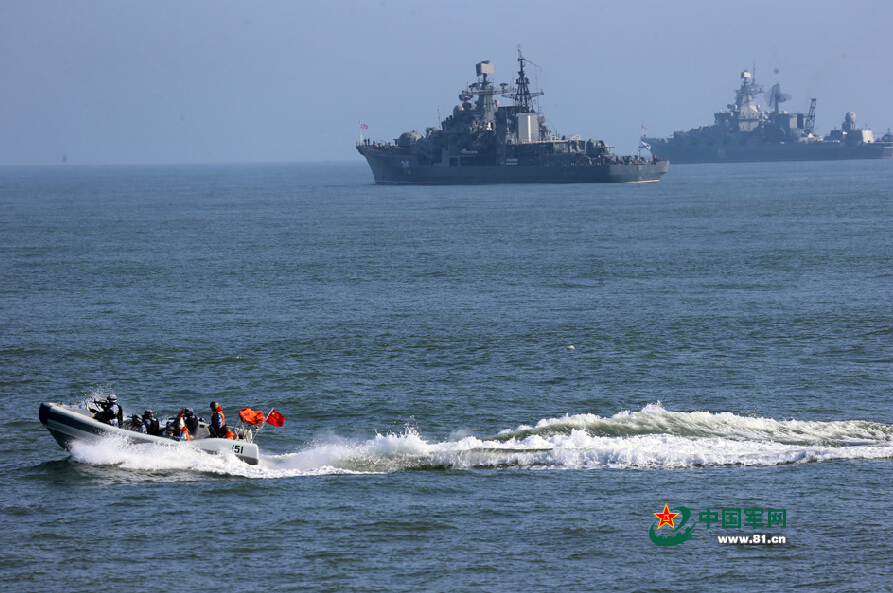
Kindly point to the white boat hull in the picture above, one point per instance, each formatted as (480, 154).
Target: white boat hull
(70, 424)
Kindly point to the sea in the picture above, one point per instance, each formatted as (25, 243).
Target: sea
(683, 385)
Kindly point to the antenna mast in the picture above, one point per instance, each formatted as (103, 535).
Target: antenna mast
(522, 96)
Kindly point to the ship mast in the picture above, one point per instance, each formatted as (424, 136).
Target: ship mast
(746, 111)
(522, 96)
(485, 106)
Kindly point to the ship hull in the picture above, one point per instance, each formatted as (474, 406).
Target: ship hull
(405, 169)
(814, 151)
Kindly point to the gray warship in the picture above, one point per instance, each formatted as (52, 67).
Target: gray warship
(745, 133)
(485, 143)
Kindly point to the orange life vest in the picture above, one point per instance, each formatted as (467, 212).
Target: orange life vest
(249, 416)
(218, 420)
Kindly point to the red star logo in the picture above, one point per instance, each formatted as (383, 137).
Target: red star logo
(666, 517)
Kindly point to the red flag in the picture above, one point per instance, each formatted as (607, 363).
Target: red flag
(275, 418)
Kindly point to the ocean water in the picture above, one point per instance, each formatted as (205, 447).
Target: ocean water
(486, 388)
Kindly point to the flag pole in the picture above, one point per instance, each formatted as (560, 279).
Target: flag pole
(264, 423)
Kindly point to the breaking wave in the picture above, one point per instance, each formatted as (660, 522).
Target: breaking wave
(652, 438)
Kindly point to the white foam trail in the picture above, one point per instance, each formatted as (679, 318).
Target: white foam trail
(650, 438)
(151, 457)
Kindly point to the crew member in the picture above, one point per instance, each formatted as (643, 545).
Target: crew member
(111, 412)
(217, 420)
(191, 421)
(181, 432)
(136, 424)
(227, 433)
(150, 422)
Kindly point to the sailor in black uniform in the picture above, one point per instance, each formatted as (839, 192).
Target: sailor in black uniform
(111, 413)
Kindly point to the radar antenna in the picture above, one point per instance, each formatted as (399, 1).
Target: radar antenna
(776, 97)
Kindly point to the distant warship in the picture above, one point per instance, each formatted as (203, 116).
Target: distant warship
(485, 143)
(745, 133)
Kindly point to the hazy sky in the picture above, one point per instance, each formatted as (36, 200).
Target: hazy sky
(182, 81)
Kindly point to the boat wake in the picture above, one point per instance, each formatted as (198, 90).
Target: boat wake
(652, 438)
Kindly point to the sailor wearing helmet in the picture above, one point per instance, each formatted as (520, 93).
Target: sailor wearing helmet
(191, 421)
(151, 423)
(111, 413)
(217, 420)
